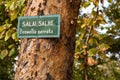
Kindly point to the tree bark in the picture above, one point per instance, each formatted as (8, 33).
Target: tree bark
(49, 59)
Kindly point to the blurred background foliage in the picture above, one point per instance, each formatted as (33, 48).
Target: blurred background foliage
(9, 12)
(100, 27)
(97, 51)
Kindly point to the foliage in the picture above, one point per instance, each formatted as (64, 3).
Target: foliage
(114, 30)
(10, 10)
(92, 47)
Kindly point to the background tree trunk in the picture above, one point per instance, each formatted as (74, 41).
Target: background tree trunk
(49, 59)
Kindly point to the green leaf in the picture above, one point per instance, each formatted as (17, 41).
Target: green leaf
(8, 35)
(109, 40)
(14, 36)
(11, 46)
(93, 41)
(2, 34)
(7, 5)
(82, 35)
(13, 16)
(12, 52)
(78, 42)
(94, 12)
(104, 47)
(12, 6)
(7, 26)
(91, 21)
(3, 53)
(102, 55)
(92, 52)
(100, 36)
(110, 1)
(86, 4)
(20, 3)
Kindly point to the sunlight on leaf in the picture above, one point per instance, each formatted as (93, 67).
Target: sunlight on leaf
(1, 28)
(8, 35)
(7, 26)
(2, 34)
(83, 25)
(12, 6)
(3, 53)
(14, 36)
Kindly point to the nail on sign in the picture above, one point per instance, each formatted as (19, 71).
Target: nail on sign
(39, 26)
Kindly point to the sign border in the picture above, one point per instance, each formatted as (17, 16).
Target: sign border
(41, 36)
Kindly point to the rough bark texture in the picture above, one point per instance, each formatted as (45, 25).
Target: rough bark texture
(49, 59)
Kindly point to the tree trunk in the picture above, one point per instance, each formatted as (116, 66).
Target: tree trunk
(49, 59)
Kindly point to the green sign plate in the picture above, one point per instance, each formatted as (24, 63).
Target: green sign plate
(39, 26)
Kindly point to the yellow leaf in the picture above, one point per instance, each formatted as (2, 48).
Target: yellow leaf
(83, 25)
(8, 35)
(96, 3)
(1, 28)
